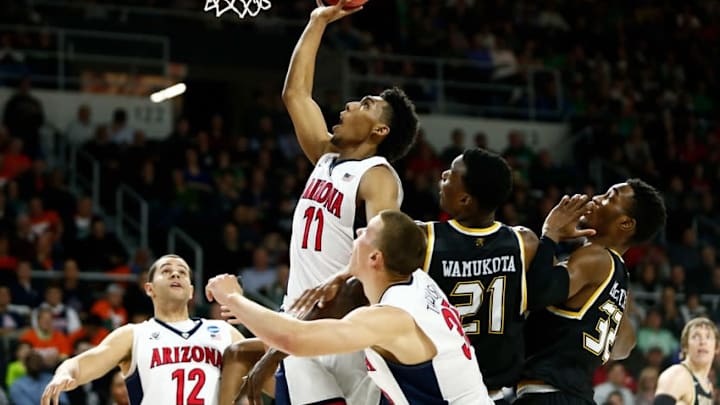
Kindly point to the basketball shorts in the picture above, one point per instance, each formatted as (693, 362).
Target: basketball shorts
(317, 380)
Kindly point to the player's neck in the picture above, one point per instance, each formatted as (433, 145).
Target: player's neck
(358, 152)
(476, 220)
(375, 289)
(701, 371)
(608, 243)
(171, 312)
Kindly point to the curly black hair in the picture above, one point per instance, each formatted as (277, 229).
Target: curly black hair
(402, 120)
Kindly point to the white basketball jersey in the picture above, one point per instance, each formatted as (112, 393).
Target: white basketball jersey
(452, 376)
(172, 367)
(322, 228)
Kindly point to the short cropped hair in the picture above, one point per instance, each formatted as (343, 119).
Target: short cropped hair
(401, 242)
(151, 272)
(488, 178)
(648, 211)
(402, 120)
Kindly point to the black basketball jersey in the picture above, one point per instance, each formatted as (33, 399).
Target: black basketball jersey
(482, 272)
(565, 345)
(702, 397)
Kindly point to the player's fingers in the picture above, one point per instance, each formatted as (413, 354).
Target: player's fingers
(585, 233)
(352, 10)
(319, 3)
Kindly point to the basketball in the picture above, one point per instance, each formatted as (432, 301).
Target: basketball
(350, 4)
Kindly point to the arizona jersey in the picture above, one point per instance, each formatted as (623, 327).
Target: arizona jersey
(566, 345)
(452, 376)
(482, 271)
(176, 367)
(322, 227)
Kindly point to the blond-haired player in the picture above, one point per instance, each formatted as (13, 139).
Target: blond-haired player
(687, 383)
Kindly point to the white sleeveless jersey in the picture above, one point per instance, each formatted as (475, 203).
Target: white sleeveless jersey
(322, 228)
(172, 367)
(452, 376)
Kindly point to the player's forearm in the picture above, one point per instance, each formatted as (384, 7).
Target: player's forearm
(275, 329)
(301, 73)
(625, 340)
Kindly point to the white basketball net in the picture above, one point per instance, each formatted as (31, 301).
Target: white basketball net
(239, 7)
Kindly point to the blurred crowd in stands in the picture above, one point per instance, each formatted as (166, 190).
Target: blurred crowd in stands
(639, 94)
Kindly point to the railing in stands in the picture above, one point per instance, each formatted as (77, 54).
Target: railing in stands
(124, 219)
(85, 175)
(70, 53)
(459, 86)
(178, 235)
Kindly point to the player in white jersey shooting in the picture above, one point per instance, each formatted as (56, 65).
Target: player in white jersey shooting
(170, 358)
(416, 349)
(352, 173)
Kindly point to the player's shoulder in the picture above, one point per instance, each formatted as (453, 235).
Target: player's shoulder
(676, 381)
(526, 234)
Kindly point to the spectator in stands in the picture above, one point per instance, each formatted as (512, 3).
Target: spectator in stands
(79, 227)
(93, 331)
(8, 262)
(456, 147)
(101, 250)
(33, 182)
(23, 292)
(692, 308)
(138, 304)
(84, 394)
(120, 132)
(76, 297)
(45, 258)
(260, 276)
(28, 390)
(647, 384)
(64, 318)
(15, 160)
(615, 383)
(653, 335)
(23, 117)
(110, 309)
(42, 220)
(81, 129)
(53, 345)
(12, 320)
(16, 368)
(276, 292)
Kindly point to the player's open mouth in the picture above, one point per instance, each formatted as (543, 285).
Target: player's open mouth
(175, 285)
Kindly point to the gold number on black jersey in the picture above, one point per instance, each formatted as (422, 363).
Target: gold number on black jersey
(475, 291)
(602, 345)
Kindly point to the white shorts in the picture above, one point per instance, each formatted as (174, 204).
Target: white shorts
(316, 379)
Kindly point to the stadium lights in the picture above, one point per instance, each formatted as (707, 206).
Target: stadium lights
(168, 93)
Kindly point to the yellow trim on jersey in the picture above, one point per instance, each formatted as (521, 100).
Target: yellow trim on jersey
(523, 279)
(580, 313)
(617, 254)
(474, 231)
(430, 246)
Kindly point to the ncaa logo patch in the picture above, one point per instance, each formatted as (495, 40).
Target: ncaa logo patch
(213, 329)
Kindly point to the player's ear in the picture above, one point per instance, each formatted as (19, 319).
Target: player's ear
(627, 224)
(381, 130)
(149, 289)
(192, 292)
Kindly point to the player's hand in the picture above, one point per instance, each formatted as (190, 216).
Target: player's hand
(320, 295)
(329, 14)
(562, 221)
(219, 288)
(56, 386)
(253, 383)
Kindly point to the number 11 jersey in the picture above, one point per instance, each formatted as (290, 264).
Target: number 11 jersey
(324, 221)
